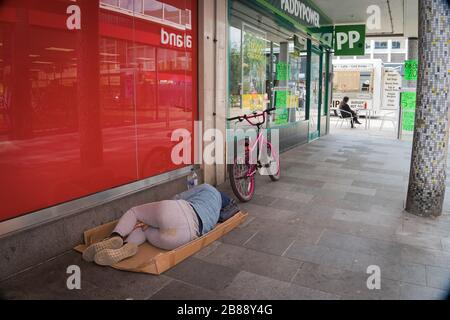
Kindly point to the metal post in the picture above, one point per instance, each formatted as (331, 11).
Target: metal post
(400, 119)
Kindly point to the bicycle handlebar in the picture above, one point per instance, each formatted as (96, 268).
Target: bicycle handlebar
(254, 115)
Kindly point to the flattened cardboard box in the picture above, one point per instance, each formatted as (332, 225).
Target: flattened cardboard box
(150, 259)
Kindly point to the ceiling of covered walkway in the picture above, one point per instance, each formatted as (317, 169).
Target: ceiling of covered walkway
(398, 17)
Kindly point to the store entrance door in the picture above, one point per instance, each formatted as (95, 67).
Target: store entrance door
(315, 94)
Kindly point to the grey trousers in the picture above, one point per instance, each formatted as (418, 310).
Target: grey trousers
(172, 223)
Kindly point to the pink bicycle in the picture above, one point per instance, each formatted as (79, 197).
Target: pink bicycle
(243, 170)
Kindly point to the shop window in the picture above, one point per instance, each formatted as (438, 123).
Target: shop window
(265, 73)
(365, 82)
(255, 48)
(87, 113)
(352, 81)
(235, 68)
(381, 44)
(396, 45)
(314, 92)
(297, 86)
(162, 12)
(289, 77)
(324, 107)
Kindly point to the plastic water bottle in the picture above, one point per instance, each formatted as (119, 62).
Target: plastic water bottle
(192, 179)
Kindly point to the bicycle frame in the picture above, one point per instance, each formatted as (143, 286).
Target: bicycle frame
(258, 144)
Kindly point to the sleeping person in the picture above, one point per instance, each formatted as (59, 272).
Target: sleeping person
(165, 224)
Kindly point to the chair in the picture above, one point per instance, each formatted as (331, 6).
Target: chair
(343, 119)
(389, 116)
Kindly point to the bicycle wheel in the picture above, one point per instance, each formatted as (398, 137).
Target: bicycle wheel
(242, 179)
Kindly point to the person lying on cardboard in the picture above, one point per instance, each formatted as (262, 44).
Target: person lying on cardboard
(165, 224)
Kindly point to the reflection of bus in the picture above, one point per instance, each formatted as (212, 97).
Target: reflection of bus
(361, 81)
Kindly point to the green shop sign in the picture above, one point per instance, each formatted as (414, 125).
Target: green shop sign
(411, 67)
(350, 40)
(408, 110)
(304, 12)
(325, 35)
(305, 15)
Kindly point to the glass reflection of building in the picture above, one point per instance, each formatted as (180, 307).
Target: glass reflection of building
(83, 111)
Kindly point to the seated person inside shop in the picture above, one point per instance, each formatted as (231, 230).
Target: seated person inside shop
(165, 224)
(348, 111)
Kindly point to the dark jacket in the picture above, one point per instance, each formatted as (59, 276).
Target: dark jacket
(345, 107)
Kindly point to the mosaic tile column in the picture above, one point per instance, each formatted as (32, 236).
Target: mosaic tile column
(426, 189)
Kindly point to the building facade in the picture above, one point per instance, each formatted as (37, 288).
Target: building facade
(92, 90)
(392, 51)
(275, 61)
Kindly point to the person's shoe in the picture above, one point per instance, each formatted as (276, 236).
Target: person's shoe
(92, 250)
(357, 122)
(110, 257)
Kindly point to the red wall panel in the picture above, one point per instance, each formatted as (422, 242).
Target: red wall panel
(82, 111)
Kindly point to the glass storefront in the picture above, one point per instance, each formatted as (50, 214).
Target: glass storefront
(90, 92)
(297, 83)
(274, 65)
(266, 71)
(315, 92)
(255, 53)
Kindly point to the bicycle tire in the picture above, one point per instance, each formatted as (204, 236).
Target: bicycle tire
(234, 183)
(277, 176)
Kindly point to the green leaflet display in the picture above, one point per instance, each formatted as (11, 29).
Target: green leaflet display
(411, 69)
(281, 103)
(409, 110)
(282, 71)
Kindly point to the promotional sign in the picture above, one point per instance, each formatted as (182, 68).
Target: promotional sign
(253, 101)
(350, 40)
(357, 66)
(281, 103)
(411, 69)
(281, 99)
(408, 110)
(282, 71)
(392, 86)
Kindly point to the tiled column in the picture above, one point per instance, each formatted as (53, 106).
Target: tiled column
(429, 153)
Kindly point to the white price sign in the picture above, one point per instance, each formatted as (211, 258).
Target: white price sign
(392, 86)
